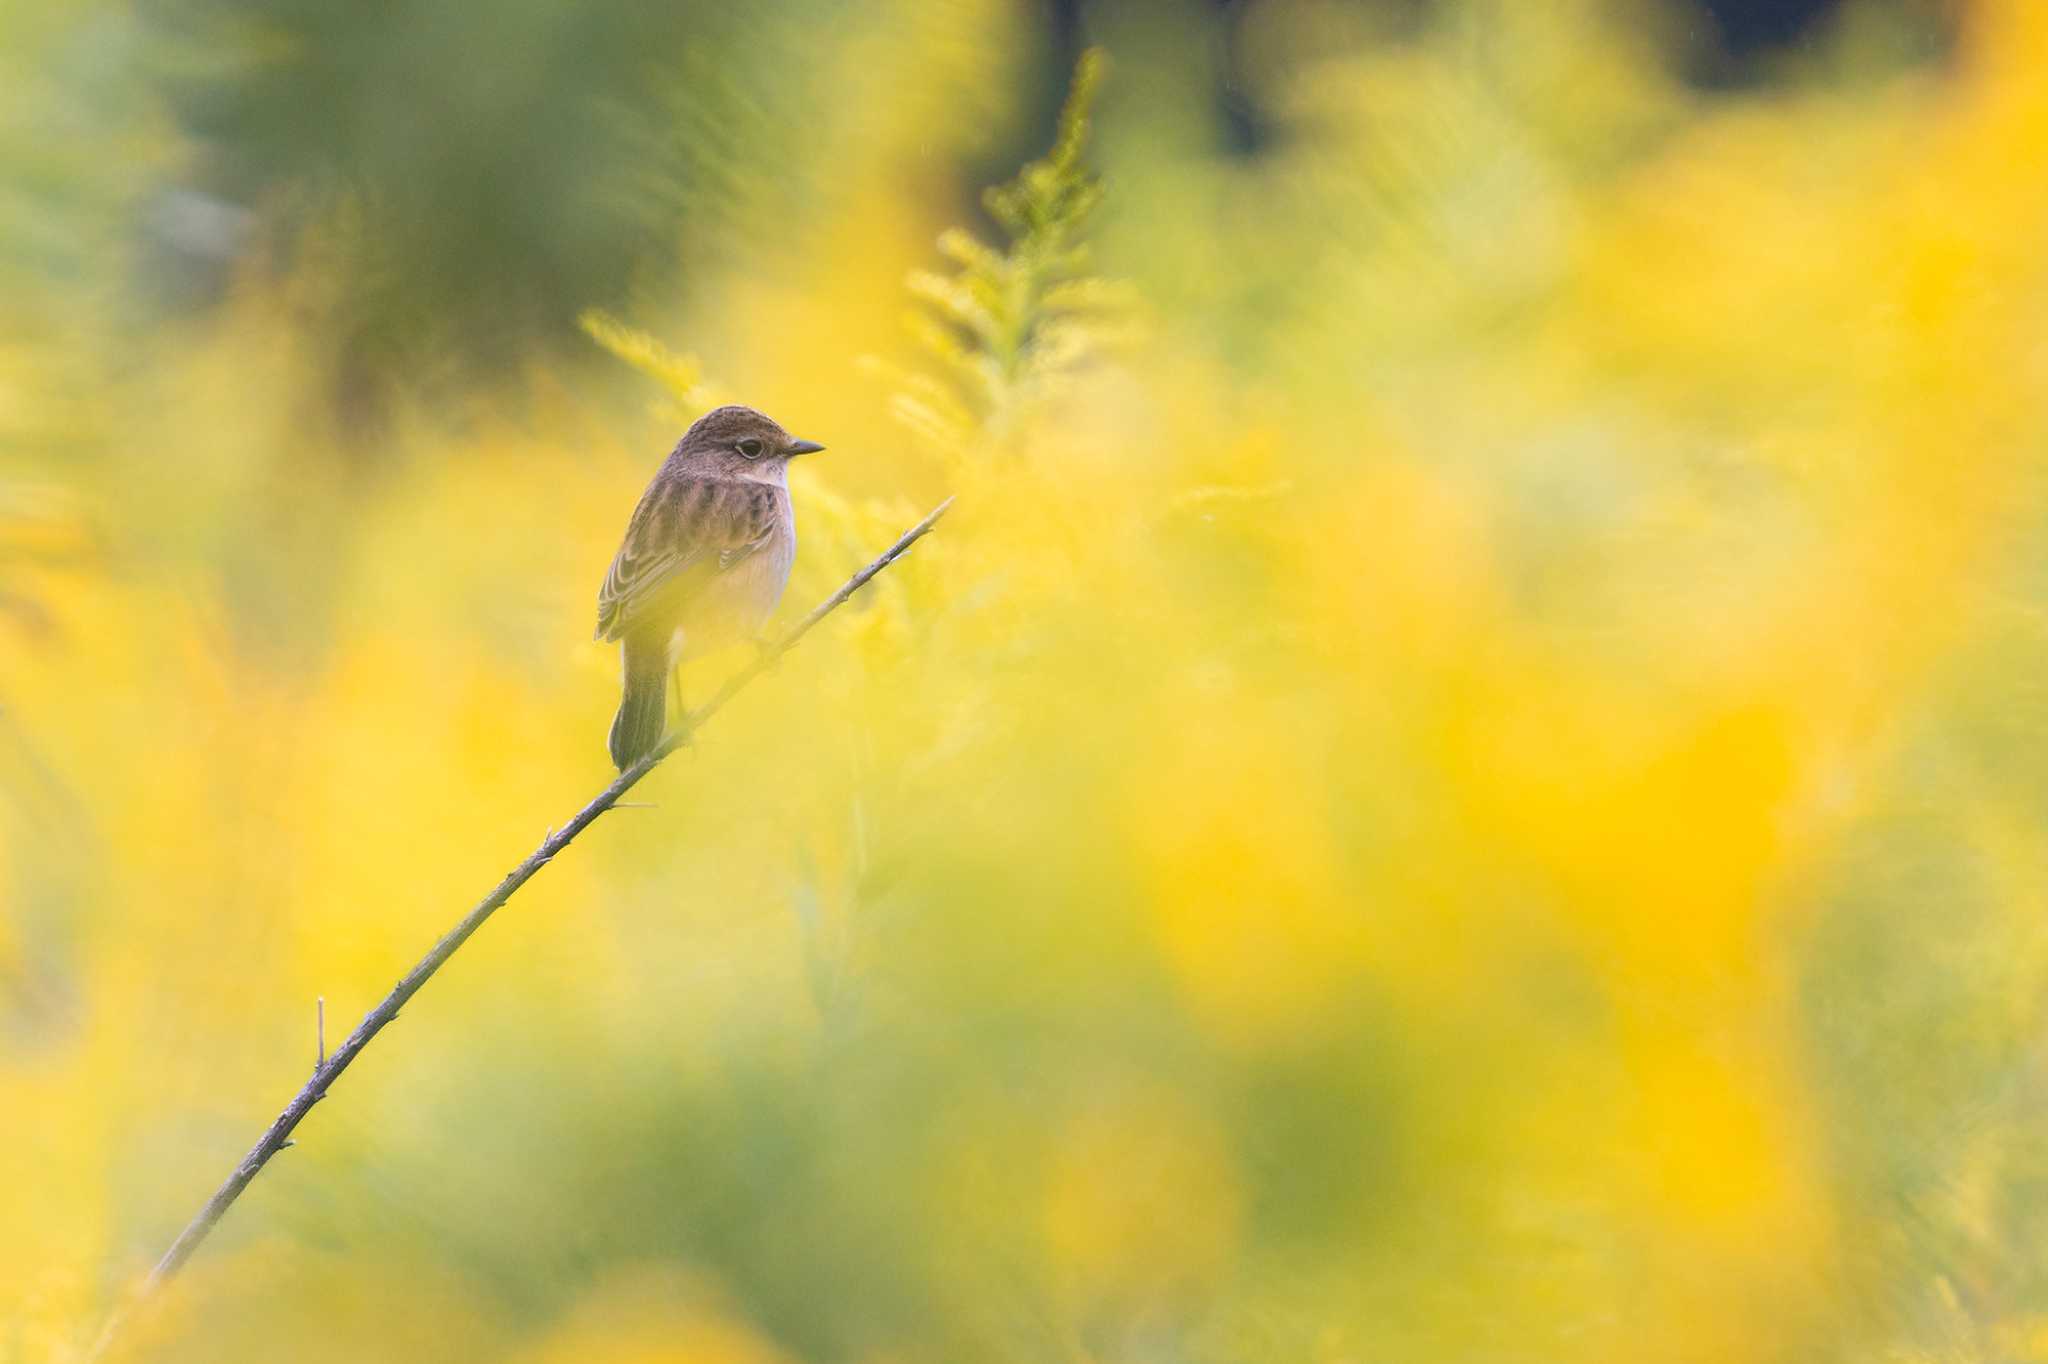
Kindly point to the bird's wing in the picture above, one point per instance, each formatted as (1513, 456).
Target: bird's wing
(684, 533)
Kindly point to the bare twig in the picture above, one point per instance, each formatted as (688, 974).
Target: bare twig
(331, 1067)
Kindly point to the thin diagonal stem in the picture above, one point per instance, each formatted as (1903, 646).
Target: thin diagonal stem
(324, 1076)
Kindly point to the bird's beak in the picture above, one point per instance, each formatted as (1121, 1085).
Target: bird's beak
(804, 447)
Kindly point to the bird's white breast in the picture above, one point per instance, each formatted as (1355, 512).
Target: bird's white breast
(738, 601)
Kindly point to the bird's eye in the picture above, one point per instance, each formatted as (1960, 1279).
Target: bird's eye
(751, 448)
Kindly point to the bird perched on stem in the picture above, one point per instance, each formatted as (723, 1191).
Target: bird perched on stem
(704, 562)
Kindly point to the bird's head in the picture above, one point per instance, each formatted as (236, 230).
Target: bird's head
(739, 442)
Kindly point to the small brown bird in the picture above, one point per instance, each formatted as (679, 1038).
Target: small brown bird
(705, 559)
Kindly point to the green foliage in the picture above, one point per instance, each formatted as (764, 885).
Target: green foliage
(1011, 324)
(681, 374)
(476, 182)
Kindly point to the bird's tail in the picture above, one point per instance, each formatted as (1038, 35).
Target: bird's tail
(643, 707)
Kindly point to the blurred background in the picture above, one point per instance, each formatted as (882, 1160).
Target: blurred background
(1465, 781)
